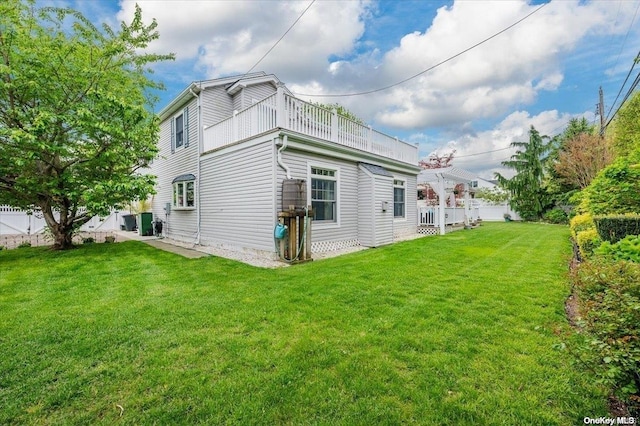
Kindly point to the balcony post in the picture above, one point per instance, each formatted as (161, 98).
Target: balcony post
(370, 139)
(280, 103)
(334, 125)
(234, 126)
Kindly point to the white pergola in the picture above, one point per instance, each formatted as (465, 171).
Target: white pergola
(439, 179)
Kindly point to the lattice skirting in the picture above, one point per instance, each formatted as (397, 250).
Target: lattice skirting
(325, 246)
(428, 231)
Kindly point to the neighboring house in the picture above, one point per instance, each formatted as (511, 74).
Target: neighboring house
(489, 211)
(227, 146)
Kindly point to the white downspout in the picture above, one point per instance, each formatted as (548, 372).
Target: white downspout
(280, 151)
(199, 178)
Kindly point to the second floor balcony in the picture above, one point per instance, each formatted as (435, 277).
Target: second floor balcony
(283, 111)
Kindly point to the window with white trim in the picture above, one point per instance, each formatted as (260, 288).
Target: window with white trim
(180, 130)
(324, 194)
(184, 194)
(398, 198)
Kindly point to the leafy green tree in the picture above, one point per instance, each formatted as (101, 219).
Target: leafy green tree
(76, 124)
(561, 171)
(528, 196)
(616, 189)
(626, 129)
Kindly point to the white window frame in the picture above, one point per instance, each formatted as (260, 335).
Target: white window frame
(400, 184)
(184, 204)
(183, 116)
(336, 178)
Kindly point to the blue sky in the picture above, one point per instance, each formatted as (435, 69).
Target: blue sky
(542, 72)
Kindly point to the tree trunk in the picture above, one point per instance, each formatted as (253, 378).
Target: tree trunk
(61, 231)
(62, 238)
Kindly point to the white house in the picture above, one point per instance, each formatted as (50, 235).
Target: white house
(228, 146)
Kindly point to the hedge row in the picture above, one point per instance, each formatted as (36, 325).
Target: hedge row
(613, 228)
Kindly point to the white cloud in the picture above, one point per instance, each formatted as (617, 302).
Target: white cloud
(227, 37)
(511, 69)
(325, 54)
(483, 152)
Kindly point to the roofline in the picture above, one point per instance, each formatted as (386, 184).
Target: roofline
(196, 87)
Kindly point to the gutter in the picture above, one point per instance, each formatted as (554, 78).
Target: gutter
(285, 140)
(199, 174)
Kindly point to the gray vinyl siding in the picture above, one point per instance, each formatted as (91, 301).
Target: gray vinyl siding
(347, 193)
(408, 225)
(237, 198)
(366, 200)
(246, 97)
(179, 225)
(216, 105)
(384, 224)
(258, 93)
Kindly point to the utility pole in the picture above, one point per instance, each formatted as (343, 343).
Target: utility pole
(601, 110)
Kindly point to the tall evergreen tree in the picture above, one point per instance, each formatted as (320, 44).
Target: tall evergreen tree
(528, 196)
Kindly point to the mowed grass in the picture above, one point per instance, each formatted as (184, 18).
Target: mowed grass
(460, 329)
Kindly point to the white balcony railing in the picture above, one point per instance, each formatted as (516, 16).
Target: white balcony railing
(284, 111)
(430, 216)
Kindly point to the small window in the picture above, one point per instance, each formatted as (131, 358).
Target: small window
(184, 194)
(180, 130)
(324, 194)
(398, 199)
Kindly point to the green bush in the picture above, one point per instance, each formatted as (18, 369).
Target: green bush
(615, 190)
(88, 240)
(24, 244)
(587, 242)
(581, 222)
(556, 215)
(613, 228)
(627, 248)
(609, 307)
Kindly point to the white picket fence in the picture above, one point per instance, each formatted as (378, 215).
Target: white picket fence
(18, 222)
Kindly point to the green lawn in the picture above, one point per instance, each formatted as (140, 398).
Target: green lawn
(459, 329)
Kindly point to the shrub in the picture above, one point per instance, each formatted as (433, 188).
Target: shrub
(615, 227)
(588, 241)
(556, 215)
(109, 239)
(609, 307)
(616, 189)
(627, 248)
(581, 222)
(24, 244)
(88, 240)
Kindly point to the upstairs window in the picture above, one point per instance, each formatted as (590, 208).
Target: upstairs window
(180, 130)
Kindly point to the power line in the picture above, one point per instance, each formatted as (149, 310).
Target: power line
(481, 153)
(428, 69)
(280, 39)
(621, 88)
(631, 89)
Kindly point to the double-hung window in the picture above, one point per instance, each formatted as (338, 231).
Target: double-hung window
(324, 194)
(180, 130)
(184, 192)
(398, 198)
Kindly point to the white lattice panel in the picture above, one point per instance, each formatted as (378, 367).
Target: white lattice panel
(325, 246)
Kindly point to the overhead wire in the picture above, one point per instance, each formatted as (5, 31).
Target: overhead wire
(280, 39)
(366, 92)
